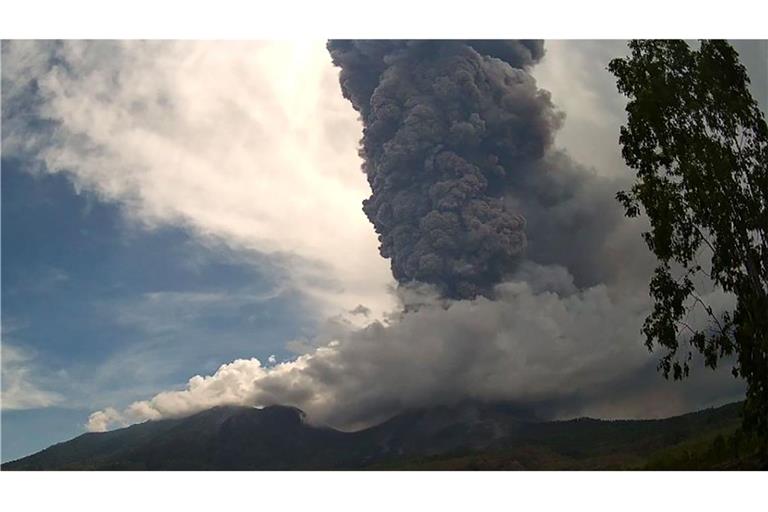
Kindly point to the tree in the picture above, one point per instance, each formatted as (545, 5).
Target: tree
(699, 145)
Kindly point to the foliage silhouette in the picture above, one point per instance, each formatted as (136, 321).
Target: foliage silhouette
(699, 145)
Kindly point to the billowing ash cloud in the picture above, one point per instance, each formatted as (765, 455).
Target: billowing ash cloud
(541, 344)
(451, 128)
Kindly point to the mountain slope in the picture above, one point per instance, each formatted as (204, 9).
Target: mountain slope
(465, 436)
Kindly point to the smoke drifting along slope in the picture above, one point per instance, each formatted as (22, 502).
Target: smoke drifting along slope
(450, 127)
(540, 344)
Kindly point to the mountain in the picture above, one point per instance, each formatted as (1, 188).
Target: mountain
(464, 436)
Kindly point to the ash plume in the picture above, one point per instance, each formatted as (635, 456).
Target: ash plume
(451, 128)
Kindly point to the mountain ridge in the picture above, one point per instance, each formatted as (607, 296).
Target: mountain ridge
(463, 436)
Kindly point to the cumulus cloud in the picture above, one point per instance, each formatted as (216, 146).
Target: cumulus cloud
(249, 143)
(230, 385)
(20, 389)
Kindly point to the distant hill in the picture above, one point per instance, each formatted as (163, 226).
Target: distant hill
(466, 436)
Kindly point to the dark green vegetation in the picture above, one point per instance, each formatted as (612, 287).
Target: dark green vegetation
(468, 436)
(699, 144)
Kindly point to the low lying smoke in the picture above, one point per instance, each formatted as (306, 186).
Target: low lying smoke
(541, 343)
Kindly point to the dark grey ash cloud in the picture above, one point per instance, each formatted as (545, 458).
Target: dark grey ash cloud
(457, 148)
(449, 129)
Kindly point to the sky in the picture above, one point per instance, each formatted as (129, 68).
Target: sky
(183, 220)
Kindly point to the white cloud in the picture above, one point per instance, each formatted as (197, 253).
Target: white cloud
(230, 385)
(100, 421)
(19, 387)
(250, 143)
